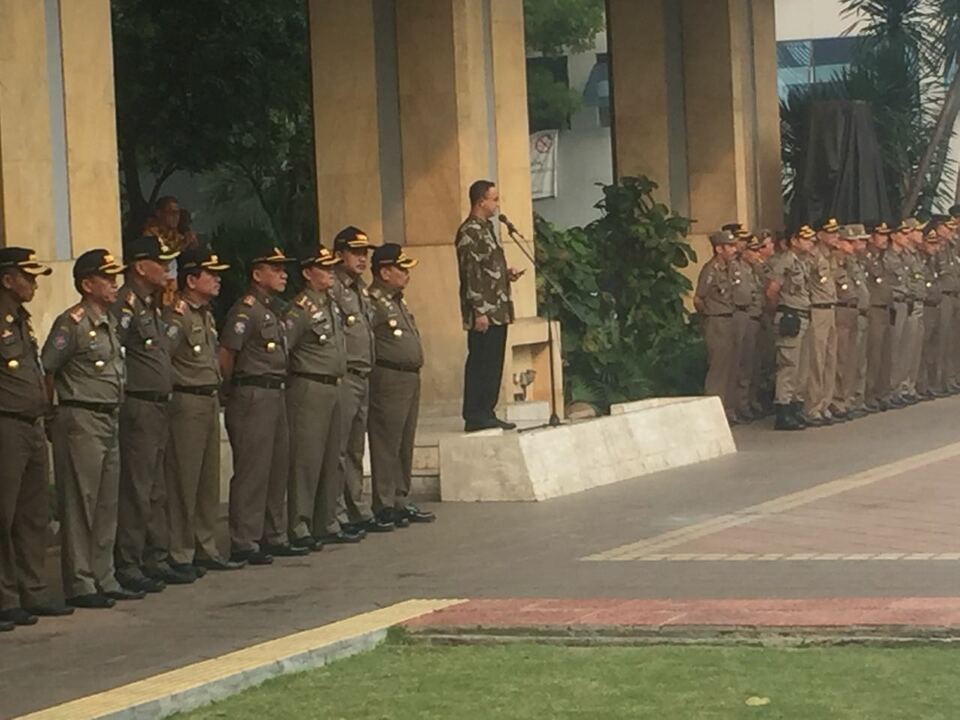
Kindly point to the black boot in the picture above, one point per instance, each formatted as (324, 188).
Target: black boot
(796, 411)
(786, 419)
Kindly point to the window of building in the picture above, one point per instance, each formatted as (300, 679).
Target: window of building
(596, 93)
(805, 62)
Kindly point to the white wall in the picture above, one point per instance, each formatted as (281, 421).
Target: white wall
(809, 19)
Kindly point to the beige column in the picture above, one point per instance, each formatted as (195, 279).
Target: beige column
(636, 44)
(769, 175)
(26, 196)
(343, 66)
(91, 124)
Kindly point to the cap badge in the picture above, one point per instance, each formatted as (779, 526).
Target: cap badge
(271, 346)
(13, 364)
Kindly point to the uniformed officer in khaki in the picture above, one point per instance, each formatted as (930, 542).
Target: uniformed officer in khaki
(753, 291)
(318, 362)
(897, 354)
(144, 422)
(713, 299)
(949, 303)
(916, 294)
(847, 320)
(83, 361)
(789, 292)
(351, 296)
(880, 320)
(821, 355)
(857, 267)
(23, 472)
(929, 379)
(394, 389)
(253, 361)
(192, 458)
(764, 366)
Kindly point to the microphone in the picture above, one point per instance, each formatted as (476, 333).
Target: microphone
(511, 228)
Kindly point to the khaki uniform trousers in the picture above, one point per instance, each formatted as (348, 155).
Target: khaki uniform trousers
(878, 354)
(720, 338)
(192, 463)
(746, 329)
(821, 361)
(907, 357)
(142, 532)
(948, 345)
(917, 335)
(316, 479)
(955, 340)
(895, 355)
(929, 376)
(789, 350)
(394, 408)
(86, 462)
(256, 420)
(354, 404)
(847, 331)
(863, 338)
(764, 365)
(24, 511)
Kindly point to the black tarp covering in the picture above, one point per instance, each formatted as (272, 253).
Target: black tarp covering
(841, 175)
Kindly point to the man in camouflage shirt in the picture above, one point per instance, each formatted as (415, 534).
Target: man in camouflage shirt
(485, 306)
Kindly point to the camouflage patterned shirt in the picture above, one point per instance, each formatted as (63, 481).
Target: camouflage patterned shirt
(484, 277)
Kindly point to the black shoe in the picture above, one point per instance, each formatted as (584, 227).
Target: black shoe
(285, 550)
(416, 515)
(189, 570)
(6, 626)
(786, 420)
(141, 583)
(896, 402)
(170, 576)
(379, 525)
(796, 412)
(49, 610)
(91, 601)
(356, 528)
(253, 557)
(18, 616)
(341, 537)
(218, 564)
(474, 426)
(871, 408)
(505, 425)
(124, 594)
(399, 520)
(310, 543)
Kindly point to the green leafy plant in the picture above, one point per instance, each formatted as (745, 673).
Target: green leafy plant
(618, 292)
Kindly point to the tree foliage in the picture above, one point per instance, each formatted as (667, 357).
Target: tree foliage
(554, 27)
(618, 292)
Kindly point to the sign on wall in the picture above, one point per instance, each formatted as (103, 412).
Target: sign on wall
(543, 163)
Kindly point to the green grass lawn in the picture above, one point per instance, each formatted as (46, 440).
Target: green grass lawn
(404, 682)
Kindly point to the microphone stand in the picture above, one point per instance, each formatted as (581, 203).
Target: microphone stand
(517, 237)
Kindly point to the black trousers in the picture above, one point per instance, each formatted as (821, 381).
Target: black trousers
(483, 372)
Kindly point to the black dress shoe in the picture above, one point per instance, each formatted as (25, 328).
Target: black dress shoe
(379, 525)
(399, 519)
(189, 570)
(170, 576)
(416, 515)
(124, 594)
(92, 601)
(218, 564)
(342, 537)
(141, 583)
(18, 616)
(253, 557)
(285, 550)
(6, 626)
(475, 426)
(49, 610)
(504, 425)
(310, 543)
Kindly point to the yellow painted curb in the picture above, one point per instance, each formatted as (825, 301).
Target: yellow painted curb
(216, 669)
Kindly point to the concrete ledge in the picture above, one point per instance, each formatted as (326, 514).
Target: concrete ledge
(205, 682)
(635, 440)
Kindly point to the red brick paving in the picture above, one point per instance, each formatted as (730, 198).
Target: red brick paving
(826, 613)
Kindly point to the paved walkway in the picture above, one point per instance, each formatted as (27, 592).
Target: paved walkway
(862, 510)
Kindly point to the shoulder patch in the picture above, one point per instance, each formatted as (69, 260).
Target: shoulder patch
(302, 302)
(130, 298)
(180, 307)
(77, 313)
(249, 300)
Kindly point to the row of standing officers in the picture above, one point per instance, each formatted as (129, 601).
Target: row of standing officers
(834, 324)
(135, 430)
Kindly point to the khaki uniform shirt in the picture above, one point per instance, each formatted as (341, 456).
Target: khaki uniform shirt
(192, 334)
(916, 276)
(714, 288)
(949, 269)
(84, 355)
(931, 279)
(256, 334)
(743, 285)
(822, 276)
(22, 390)
(315, 334)
(353, 299)
(858, 273)
(484, 277)
(844, 273)
(878, 277)
(896, 274)
(398, 340)
(791, 273)
(142, 334)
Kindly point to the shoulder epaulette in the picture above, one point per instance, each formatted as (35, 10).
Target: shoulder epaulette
(130, 298)
(249, 300)
(180, 307)
(77, 313)
(302, 302)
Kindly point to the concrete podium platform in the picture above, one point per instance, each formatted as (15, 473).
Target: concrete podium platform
(636, 439)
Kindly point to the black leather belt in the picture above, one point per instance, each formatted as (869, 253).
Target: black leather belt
(314, 377)
(106, 408)
(882, 307)
(359, 373)
(146, 396)
(795, 311)
(755, 318)
(930, 304)
(823, 306)
(401, 368)
(206, 390)
(21, 417)
(717, 315)
(261, 381)
(848, 305)
(950, 293)
(743, 308)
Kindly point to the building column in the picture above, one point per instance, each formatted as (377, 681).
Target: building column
(769, 164)
(346, 130)
(26, 195)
